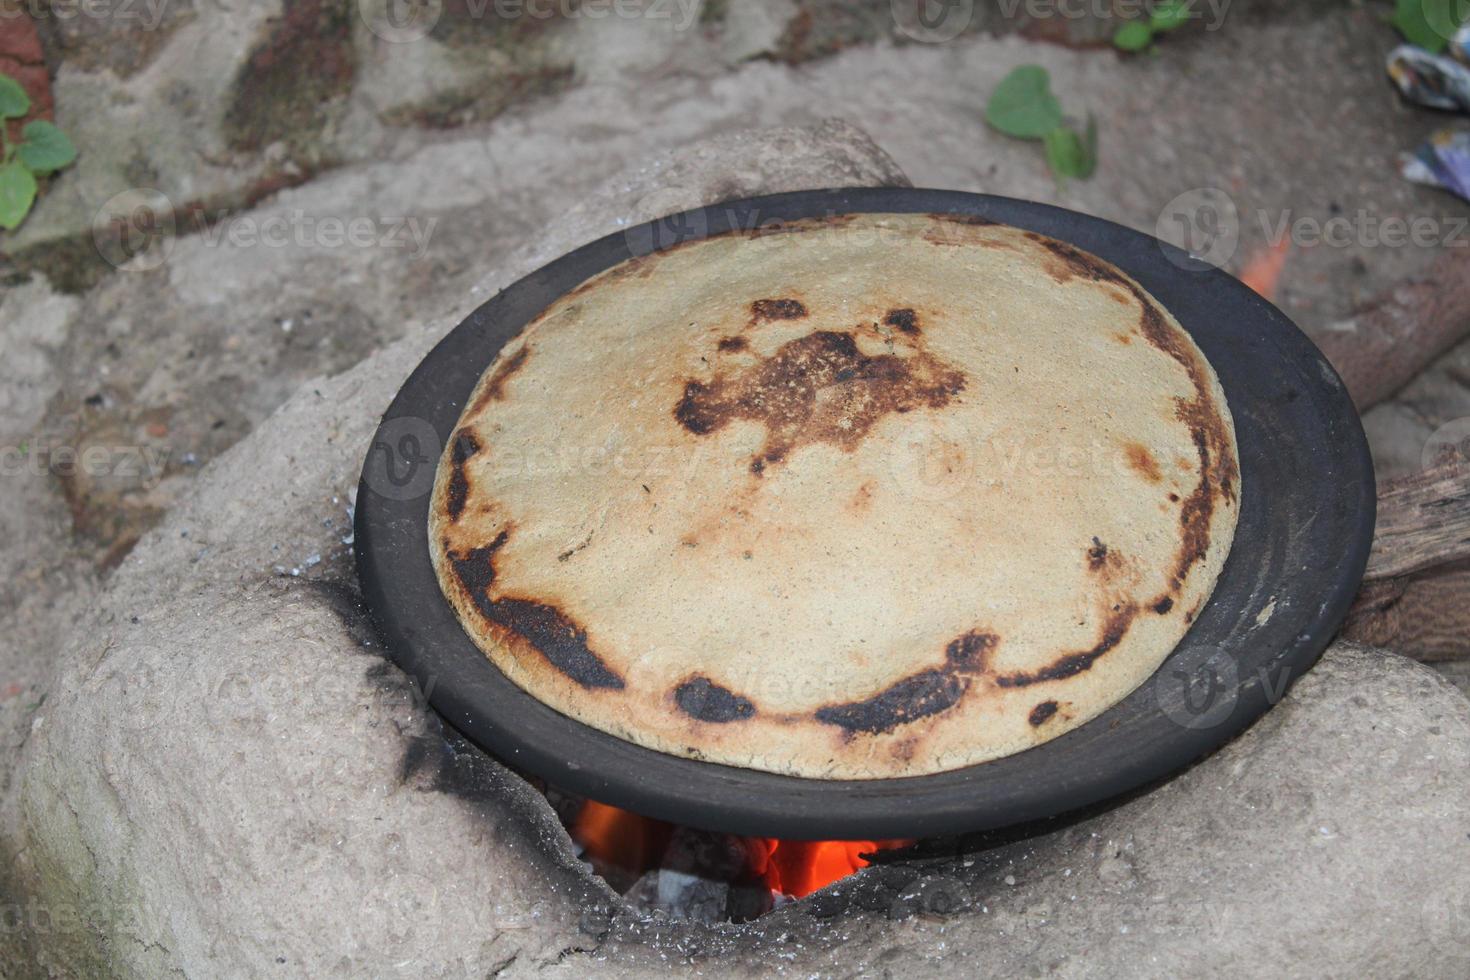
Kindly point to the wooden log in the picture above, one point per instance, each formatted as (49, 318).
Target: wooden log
(1423, 522)
(1416, 593)
(1383, 346)
(1425, 616)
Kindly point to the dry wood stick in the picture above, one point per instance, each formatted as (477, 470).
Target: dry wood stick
(1423, 522)
(1416, 593)
(1383, 346)
(1424, 616)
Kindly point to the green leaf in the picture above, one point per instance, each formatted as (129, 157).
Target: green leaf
(1065, 152)
(1133, 36)
(1429, 23)
(1023, 106)
(1089, 147)
(1169, 15)
(14, 102)
(1446, 16)
(46, 148)
(17, 192)
(1408, 17)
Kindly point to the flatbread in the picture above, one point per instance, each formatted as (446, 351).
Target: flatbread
(851, 498)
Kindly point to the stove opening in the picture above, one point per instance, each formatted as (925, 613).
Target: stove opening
(700, 874)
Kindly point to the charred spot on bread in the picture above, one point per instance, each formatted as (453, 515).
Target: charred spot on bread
(919, 695)
(703, 700)
(457, 492)
(764, 310)
(904, 319)
(494, 389)
(816, 388)
(1072, 664)
(537, 625)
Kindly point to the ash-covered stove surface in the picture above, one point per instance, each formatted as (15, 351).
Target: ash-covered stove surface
(1302, 542)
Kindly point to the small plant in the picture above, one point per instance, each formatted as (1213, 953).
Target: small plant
(1023, 106)
(43, 149)
(1429, 23)
(1137, 35)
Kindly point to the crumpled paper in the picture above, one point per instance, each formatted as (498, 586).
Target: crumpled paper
(1430, 80)
(1443, 161)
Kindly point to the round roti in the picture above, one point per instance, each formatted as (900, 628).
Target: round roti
(849, 498)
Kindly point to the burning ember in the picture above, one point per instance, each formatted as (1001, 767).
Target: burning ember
(1262, 271)
(682, 868)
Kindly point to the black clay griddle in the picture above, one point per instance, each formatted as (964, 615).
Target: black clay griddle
(1306, 522)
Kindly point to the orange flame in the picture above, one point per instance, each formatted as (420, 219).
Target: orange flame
(618, 837)
(793, 867)
(800, 867)
(1262, 271)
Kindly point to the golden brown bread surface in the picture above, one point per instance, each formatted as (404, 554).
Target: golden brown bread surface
(852, 498)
